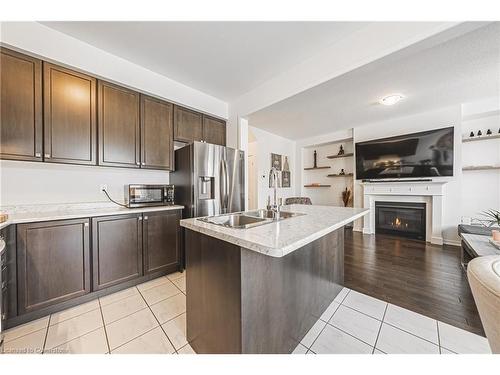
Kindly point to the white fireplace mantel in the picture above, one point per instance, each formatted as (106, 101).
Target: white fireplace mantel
(428, 192)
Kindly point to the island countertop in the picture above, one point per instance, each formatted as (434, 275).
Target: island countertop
(280, 238)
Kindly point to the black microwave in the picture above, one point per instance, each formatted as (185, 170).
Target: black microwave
(138, 195)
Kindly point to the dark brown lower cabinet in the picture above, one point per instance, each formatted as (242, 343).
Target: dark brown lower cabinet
(161, 241)
(53, 262)
(116, 250)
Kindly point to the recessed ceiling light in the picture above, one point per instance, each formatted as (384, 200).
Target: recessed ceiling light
(391, 99)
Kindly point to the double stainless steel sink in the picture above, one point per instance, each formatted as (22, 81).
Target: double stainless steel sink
(247, 219)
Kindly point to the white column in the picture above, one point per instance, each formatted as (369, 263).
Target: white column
(437, 218)
(368, 220)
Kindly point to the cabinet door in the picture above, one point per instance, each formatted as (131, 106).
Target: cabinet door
(69, 116)
(157, 133)
(119, 128)
(116, 250)
(161, 241)
(21, 109)
(214, 130)
(188, 125)
(8, 270)
(53, 262)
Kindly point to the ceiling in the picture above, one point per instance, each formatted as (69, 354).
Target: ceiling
(223, 59)
(456, 71)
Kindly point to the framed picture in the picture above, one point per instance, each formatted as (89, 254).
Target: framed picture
(276, 161)
(285, 179)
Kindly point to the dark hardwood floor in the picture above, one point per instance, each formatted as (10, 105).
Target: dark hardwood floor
(424, 278)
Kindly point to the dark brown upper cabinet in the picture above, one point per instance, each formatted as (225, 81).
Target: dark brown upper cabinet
(161, 241)
(157, 133)
(53, 262)
(214, 130)
(70, 124)
(116, 249)
(119, 126)
(21, 108)
(188, 125)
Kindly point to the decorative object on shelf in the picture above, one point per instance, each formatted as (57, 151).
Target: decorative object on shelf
(315, 163)
(342, 172)
(488, 132)
(276, 161)
(341, 150)
(285, 179)
(479, 133)
(346, 196)
(3, 218)
(286, 166)
(471, 134)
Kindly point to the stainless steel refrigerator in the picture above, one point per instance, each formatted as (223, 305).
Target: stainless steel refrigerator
(209, 179)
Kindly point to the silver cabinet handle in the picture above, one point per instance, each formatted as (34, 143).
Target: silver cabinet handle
(145, 217)
(47, 156)
(38, 155)
(139, 218)
(143, 163)
(137, 163)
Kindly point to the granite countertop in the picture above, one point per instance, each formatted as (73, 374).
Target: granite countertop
(278, 239)
(46, 212)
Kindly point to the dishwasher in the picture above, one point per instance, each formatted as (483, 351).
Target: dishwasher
(3, 268)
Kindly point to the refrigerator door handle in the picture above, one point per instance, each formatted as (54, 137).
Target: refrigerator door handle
(223, 186)
(226, 198)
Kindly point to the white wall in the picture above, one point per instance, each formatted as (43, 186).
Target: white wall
(480, 189)
(268, 143)
(27, 183)
(253, 174)
(38, 183)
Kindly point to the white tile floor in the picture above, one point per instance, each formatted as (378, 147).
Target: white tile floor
(356, 323)
(148, 318)
(151, 318)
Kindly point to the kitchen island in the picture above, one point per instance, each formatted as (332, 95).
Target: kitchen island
(260, 289)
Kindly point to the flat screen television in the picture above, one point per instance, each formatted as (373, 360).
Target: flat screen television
(416, 155)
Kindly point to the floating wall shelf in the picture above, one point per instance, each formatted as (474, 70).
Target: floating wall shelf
(481, 168)
(340, 156)
(340, 175)
(316, 186)
(310, 168)
(481, 138)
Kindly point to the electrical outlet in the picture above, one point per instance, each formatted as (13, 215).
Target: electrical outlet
(103, 187)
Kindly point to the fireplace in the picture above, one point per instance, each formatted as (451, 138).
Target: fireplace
(400, 218)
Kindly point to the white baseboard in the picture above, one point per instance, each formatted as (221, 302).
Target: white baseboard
(452, 242)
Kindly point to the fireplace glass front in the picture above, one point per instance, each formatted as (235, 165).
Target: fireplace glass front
(401, 219)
